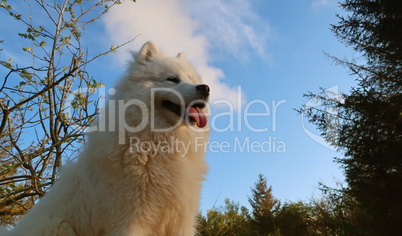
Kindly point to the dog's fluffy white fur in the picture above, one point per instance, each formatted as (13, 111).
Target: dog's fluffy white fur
(115, 190)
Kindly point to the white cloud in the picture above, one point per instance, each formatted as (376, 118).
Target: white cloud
(231, 26)
(200, 29)
(319, 3)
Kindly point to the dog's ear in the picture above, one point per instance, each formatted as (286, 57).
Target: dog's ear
(146, 53)
(181, 56)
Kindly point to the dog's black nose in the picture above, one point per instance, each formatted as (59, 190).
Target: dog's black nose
(203, 89)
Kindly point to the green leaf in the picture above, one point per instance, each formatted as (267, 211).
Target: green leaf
(6, 64)
(77, 34)
(5, 6)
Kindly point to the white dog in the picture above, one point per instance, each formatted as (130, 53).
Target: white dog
(140, 173)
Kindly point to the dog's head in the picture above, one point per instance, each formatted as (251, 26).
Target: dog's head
(177, 94)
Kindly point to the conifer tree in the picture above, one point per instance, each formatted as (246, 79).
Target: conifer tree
(369, 127)
(264, 207)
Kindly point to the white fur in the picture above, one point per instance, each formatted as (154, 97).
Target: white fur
(114, 191)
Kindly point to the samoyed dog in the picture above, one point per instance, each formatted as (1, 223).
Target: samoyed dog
(141, 170)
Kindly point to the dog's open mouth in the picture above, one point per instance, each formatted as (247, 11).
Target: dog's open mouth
(194, 112)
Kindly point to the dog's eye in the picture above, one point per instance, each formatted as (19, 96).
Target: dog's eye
(173, 79)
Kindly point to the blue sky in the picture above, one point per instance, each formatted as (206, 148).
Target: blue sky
(271, 50)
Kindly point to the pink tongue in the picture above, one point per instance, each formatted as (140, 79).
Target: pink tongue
(198, 116)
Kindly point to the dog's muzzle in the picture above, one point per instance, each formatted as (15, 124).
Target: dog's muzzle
(194, 111)
(203, 89)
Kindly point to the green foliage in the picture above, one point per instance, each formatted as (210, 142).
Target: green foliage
(228, 220)
(294, 219)
(333, 214)
(264, 207)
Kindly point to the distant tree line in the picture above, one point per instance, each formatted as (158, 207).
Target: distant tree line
(330, 215)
